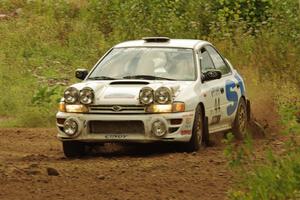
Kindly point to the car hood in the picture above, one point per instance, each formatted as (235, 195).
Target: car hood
(127, 91)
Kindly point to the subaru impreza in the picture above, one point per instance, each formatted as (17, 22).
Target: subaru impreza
(154, 89)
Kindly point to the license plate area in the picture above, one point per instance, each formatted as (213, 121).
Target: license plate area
(117, 127)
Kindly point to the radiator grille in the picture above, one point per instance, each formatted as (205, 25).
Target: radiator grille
(117, 109)
(116, 127)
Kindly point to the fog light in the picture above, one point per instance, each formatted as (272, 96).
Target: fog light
(70, 127)
(159, 128)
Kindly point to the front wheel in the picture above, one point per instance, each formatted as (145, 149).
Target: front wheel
(73, 148)
(197, 133)
(241, 121)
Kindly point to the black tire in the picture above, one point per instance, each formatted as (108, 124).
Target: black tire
(73, 149)
(197, 133)
(205, 137)
(240, 124)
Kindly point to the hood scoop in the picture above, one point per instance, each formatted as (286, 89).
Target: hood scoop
(129, 83)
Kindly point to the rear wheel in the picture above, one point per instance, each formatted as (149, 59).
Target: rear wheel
(197, 133)
(241, 121)
(73, 148)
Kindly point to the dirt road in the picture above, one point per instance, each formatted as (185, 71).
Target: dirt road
(114, 172)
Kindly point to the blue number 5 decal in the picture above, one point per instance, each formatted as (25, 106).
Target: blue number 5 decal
(231, 96)
(241, 84)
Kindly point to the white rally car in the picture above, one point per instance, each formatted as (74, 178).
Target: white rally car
(154, 89)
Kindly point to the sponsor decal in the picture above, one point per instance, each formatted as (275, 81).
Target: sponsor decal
(215, 119)
(188, 120)
(187, 126)
(186, 132)
(215, 92)
(188, 115)
(119, 136)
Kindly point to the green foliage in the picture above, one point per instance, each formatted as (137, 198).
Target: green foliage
(277, 176)
(44, 96)
(43, 42)
(289, 109)
(236, 154)
(232, 14)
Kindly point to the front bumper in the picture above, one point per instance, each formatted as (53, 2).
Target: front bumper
(180, 132)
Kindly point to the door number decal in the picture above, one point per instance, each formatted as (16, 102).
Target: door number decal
(232, 95)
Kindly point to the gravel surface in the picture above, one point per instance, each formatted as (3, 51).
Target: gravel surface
(32, 166)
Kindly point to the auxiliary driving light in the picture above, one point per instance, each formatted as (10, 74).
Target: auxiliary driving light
(146, 95)
(71, 127)
(86, 96)
(159, 128)
(163, 95)
(71, 95)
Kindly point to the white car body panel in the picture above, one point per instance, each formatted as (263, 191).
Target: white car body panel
(220, 107)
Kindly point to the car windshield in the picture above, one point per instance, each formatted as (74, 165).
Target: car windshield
(146, 63)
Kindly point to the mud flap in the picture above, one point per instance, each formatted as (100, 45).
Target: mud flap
(248, 110)
(205, 138)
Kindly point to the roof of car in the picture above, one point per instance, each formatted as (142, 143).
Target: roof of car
(162, 42)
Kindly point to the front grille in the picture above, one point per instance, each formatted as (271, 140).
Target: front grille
(117, 127)
(117, 109)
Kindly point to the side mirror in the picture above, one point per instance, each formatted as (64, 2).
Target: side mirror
(81, 73)
(211, 75)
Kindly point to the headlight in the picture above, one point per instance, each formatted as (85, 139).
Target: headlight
(146, 95)
(166, 108)
(156, 108)
(76, 108)
(86, 96)
(163, 95)
(71, 95)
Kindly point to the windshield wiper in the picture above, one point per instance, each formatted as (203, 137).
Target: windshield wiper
(147, 77)
(101, 78)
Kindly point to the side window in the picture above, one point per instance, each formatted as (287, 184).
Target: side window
(218, 61)
(206, 62)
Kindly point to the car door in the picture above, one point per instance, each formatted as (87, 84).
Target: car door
(214, 93)
(231, 84)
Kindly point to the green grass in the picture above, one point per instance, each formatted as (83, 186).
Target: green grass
(43, 42)
(277, 175)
